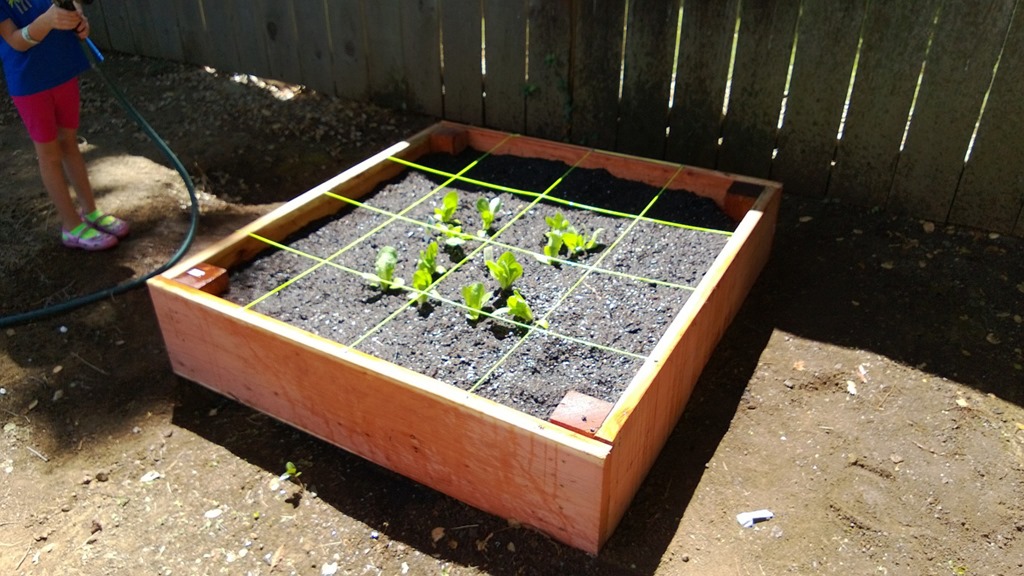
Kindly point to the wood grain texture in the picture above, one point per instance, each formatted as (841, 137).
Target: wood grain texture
(957, 74)
(219, 27)
(894, 45)
(991, 192)
(759, 79)
(250, 38)
(647, 77)
(385, 60)
(505, 81)
(463, 77)
(826, 48)
(349, 61)
(705, 46)
(421, 48)
(314, 45)
(595, 70)
(118, 26)
(548, 101)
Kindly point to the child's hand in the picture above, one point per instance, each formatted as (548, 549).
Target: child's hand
(83, 28)
(60, 19)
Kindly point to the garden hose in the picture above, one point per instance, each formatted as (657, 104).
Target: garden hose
(47, 311)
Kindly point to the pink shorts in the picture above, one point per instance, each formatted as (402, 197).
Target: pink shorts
(44, 112)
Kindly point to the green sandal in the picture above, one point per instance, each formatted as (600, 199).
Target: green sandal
(86, 237)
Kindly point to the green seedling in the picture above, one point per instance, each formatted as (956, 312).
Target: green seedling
(488, 209)
(421, 281)
(579, 243)
(290, 471)
(554, 245)
(428, 260)
(506, 269)
(387, 260)
(455, 237)
(475, 295)
(518, 307)
(558, 223)
(446, 212)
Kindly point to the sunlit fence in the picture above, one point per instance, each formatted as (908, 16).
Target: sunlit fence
(912, 105)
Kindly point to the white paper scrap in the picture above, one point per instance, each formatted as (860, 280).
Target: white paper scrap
(748, 519)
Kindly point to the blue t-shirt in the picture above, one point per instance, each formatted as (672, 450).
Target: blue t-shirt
(55, 60)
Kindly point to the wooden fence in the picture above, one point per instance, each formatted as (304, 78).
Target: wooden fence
(910, 105)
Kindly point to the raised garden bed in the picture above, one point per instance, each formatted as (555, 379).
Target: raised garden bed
(553, 422)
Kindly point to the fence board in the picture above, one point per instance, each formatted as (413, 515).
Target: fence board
(647, 77)
(421, 30)
(385, 68)
(505, 80)
(595, 70)
(705, 46)
(97, 24)
(220, 27)
(118, 26)
(991, 193)
(758, 82)
(956, 77)
(826, 47)
(281, 35)
(155, 29)
(195, 41)
(314, 45)
(894, 45)
(348, 40)
(548, 100)
(463, 78)
(250, 38)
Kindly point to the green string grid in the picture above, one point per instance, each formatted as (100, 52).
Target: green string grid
(486, 242)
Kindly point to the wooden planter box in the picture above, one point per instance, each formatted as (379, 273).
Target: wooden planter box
(571, 480)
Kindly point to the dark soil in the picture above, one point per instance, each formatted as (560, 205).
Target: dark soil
(921, 471)
(606, 308)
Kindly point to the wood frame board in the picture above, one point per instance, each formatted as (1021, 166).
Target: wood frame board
(573, 487)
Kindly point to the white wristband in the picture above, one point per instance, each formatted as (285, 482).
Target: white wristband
(28, 37)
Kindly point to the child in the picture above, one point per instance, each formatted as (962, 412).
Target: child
(42, 59)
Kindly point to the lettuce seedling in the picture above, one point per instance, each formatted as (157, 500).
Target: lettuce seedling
(517, 306)
(475, 295)
(558, 223)
(446, 212)
(421, 280)
(428, 260)
(387, 260)
(488, 209)
(554, 245)
(579, 243)
(505, 270)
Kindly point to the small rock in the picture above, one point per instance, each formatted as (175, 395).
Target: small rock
(63, 329)
(437, 533)
(149, 476)
(374, 534)
(102, 476)
(213, 513)
(58, 395)
(136, 430)
(329, 569)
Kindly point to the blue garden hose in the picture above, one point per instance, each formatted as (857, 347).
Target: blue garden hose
(47, 311)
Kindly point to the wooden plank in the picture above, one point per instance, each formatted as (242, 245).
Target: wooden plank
(282, 40)
(251, 38)
(421, 33)
(991, 193)
(385, 66)
(348, 42)
(647, 77)
(118, 26)
(463, 77)
(155, 28)
(705, 46)
(548, 101)
(828, 35)
(505, 81)
(759, 79)
(482, 453)
(649, 409)
(895, 40)
(314, 45)
(956, 77)
(596, 65)
(196, 44)
(219, 25)
(97, 24)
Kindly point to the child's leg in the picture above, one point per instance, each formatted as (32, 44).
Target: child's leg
(51, 168)
(74, 165)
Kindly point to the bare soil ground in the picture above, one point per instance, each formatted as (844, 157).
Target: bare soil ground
(869, 393)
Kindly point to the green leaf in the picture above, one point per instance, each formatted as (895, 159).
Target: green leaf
(488, 209)
(557, 222)
(421, 280)
(505, 270)
(475, 295)
(428, 260)
(554, 245)
(519, 308)
(387, 260)
(449, 204)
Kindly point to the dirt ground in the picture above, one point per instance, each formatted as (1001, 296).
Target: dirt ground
(869, 393)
